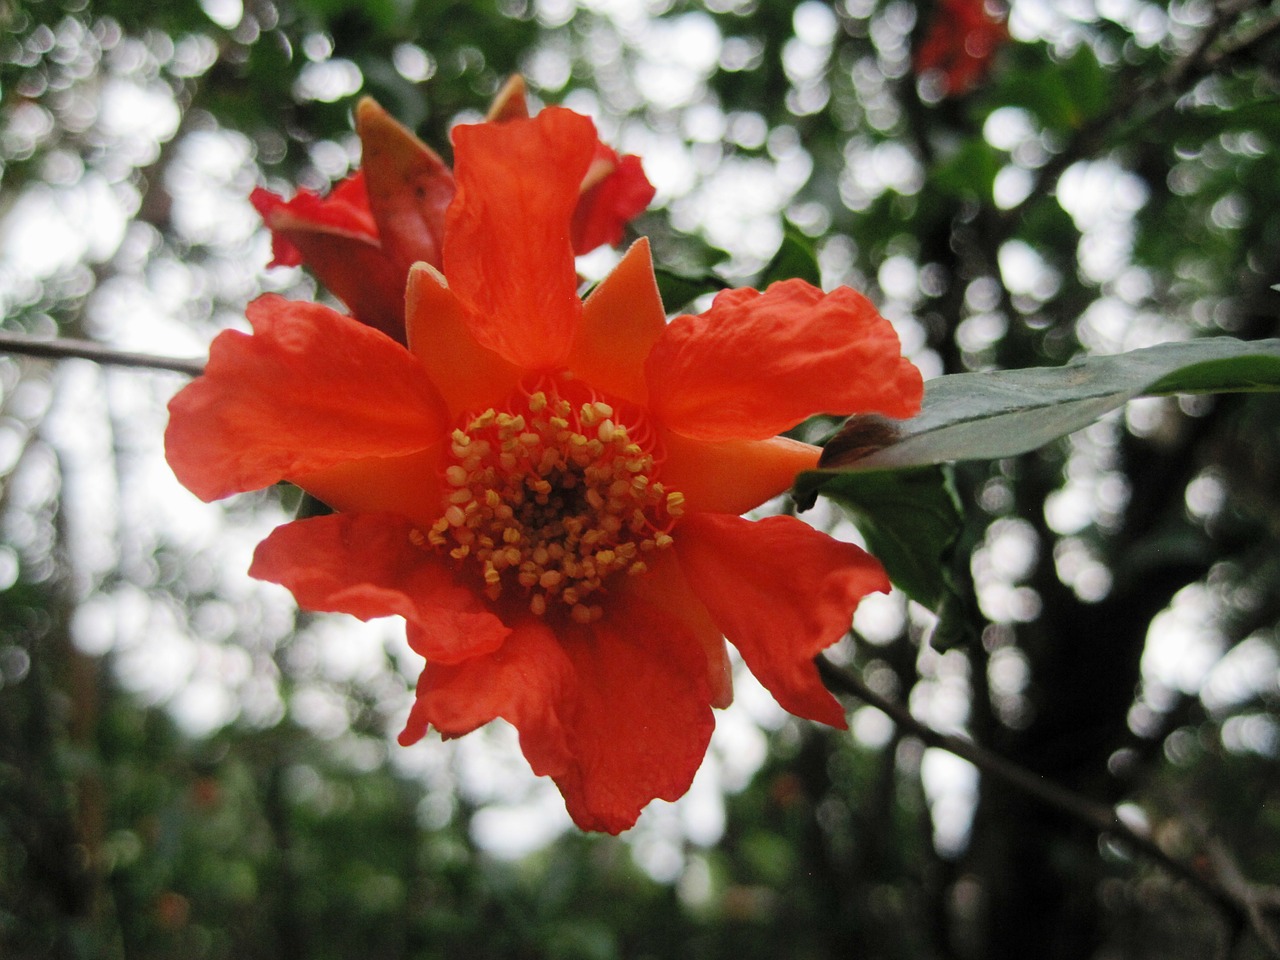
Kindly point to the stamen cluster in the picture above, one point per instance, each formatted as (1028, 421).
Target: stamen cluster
(551, 497)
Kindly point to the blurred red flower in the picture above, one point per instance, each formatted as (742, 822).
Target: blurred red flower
(361, 239)
(961, 41)
(549, 490)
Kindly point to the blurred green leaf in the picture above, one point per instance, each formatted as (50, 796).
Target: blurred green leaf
(795, 259)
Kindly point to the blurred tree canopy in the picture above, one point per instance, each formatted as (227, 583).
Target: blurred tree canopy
(1107, 180)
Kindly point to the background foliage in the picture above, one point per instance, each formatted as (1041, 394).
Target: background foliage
(1111, 183)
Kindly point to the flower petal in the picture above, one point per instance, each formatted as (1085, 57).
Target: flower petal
(468, 376)
(526, 682)
(344, 211)
(370, 565)
(757, 364)
(338, 241)
(621, 321)
(508, 254)
(309, 389)
(409, 186)
(733, 476)
(641, 718)
(664, 587)
(782, 592)
(407, 485)
(609, 204)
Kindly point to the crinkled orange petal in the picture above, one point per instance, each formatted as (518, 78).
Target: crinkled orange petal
(407, 485)
(757, 364)
(782, 592)
(528, 681)
(507, 253)
(345, 211)
(621, 321)
(732, 476)
(664, 587)
(641, 718)
(375, 565)
(310, 389)
(468, 376)
(609, 204)
(409, 187)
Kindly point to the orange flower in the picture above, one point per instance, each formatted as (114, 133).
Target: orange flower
(962, 39)
(548, 490)
(361, 239)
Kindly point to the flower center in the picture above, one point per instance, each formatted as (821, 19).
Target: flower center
(554, 495)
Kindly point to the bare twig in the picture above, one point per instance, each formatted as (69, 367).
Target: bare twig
(59, 349)
(1231, 899)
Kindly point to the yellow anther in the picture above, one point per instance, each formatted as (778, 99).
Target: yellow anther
(552, 498)
(638, 568)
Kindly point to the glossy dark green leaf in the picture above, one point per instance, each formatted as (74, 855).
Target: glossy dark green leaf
(987, 416)
(909, 518)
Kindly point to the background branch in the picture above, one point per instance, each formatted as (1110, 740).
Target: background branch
(59, 349)
(1230, 898)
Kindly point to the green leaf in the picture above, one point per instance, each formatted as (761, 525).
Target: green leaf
(795, 259)
(678, 290)
(988, 416)
(909, 518)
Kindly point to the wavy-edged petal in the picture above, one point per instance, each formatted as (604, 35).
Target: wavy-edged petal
(507, 253)
(337, 239)
(641, 717)
(733, 476)
(621, 321)
(756, 364)
(528, 681)
(344, 211)
(310, 389)
(407, 485)
(409, 188)
(612, 201)
(782, 592)
(664, 587)
(468, 376)
(378, 565)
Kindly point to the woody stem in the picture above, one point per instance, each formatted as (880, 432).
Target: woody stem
(61, 348)
(1098, 816)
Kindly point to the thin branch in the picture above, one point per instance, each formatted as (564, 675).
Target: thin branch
(60, 349)
(1098, 816)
